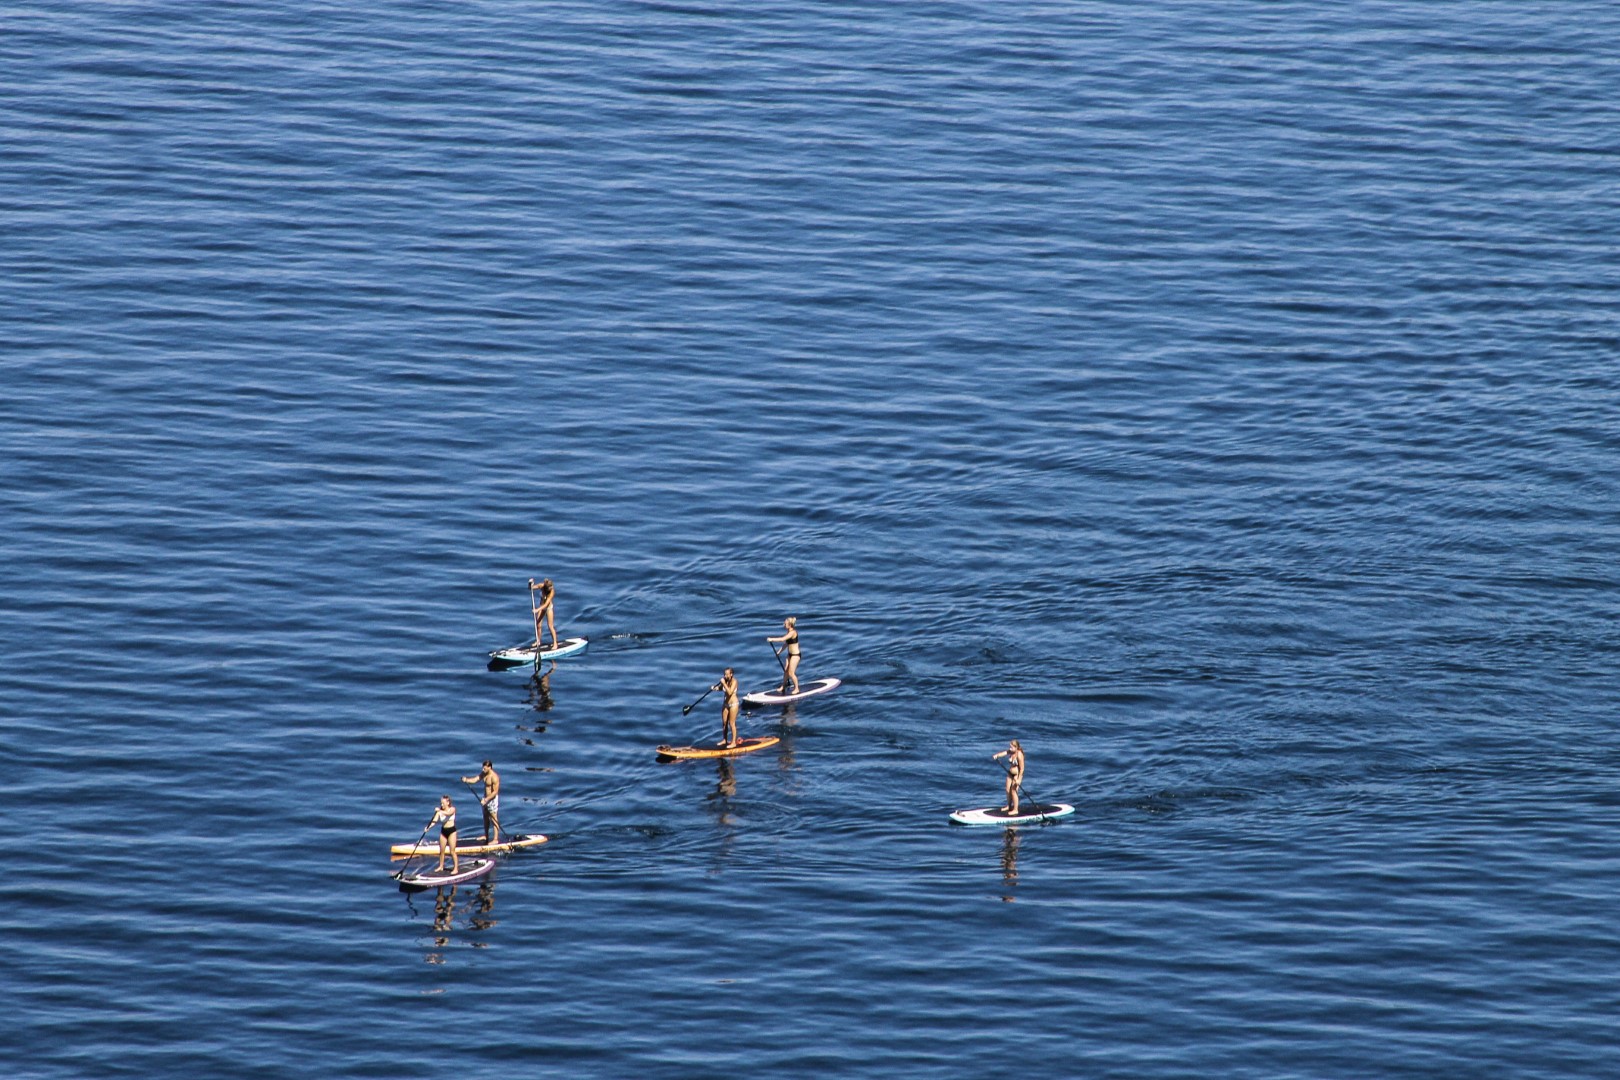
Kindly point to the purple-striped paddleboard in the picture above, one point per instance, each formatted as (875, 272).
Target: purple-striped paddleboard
(430, 878)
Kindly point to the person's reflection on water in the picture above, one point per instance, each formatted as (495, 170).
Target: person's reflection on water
(787, 725)
(444, 913)
(725, 789)
(479, 911)
(483, 907)
(539, 699)
(1009, 863)
(444, 910)
(540, 689)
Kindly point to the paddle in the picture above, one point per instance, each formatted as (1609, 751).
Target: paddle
(694, 704)
(534, 609)
(415, 846)
(1020, 786)
(779, 662)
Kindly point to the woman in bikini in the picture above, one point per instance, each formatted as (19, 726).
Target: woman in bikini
(445, 818)
(543, 610)
(728, 711)
(1015, 773)
(790, 648)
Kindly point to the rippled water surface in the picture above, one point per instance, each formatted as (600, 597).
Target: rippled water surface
(1220, 398)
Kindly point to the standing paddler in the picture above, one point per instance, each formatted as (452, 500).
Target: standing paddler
(543, 611)
(728, 710)
(491, 801)
(445, 818)
(1015, 773)
(790, 649)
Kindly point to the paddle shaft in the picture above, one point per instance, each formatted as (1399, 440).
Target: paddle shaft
(1019, 784)
(534, 609)
(705, 694)
(416, 847)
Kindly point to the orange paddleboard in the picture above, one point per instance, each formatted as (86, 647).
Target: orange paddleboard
(744, 746)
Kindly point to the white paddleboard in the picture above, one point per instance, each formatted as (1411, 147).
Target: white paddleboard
(1027, 812)
(806, 689)
(428, 877)
(524, 654)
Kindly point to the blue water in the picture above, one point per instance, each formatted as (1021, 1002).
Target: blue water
(1220, 398)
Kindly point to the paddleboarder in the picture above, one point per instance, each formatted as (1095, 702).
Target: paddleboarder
(1015, 773)
(728, 710)
(790, 648)
(445, 818)
(543, 613)
(491, 802)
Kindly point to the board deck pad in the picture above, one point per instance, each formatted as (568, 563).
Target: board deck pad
(808, 688)
(995, 815)
(430, 847)
(524, 654)
(744, 746)
(428, 877)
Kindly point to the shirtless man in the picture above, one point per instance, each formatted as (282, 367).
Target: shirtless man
(491, 802)
(1015, 773)
(728, 711)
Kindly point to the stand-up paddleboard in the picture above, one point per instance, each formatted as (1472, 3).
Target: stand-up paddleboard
(995, 815)
(744, 746)
(525, 654)
(806, 689)
(429, 878)
(431, 847)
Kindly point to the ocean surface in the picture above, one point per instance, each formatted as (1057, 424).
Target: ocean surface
(1221, 398)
